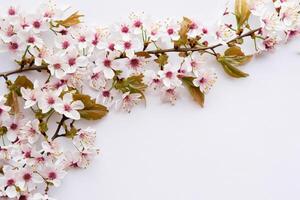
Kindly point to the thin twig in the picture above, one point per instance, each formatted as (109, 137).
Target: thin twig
(250, 33)
(56, 134)
(17, 71)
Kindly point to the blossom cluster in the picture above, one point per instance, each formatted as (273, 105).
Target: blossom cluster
(117, 64)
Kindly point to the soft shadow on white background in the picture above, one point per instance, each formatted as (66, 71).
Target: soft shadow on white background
(244, 145)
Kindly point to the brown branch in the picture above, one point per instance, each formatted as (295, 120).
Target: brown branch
(250, 33)
(25, 69)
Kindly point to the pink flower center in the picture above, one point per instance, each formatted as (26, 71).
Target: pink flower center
(67, 108)
(23, 197)
(27, 177)
(72, 61)
(134, 63)
(127, 45)
(13, 126)
(10, 31)
(107, 63)
(111, 47)
(27, 154)
(82, 39)
(13, 46)
(124, 29)
(193, 26)
(65, 44)
(170, 31)
(36, 24)
(52, 175)
(204, 30)
(10, 182)
(11, 11)
(106, 93)
(64, 32)
(202, 81)
(169, 74)
(32, 98)
(50, 101)
(57, 66)
(137, 24)
(31, 40)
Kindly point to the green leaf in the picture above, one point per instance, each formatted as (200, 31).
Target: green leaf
(195, 92)
(12, 101)
(162, 59)
(72, 20)
(43, 127)
(23, 81)
(71, 133)
(133, 84)
(92, 110)
(3, 130)
(242, 12)
(229, 66)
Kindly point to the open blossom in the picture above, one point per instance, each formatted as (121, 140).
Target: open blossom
(49, 98)
(172, 30)
(289, 14)
(13, 126)
(106, 65)
(169, 75)
(224, 33)
(271, 23)
(4, 115)
(152, 79)
(85, 138)
(169, 95)
(31, 95)
(205, 80)
(31, 131)
(28, 179)
(57, 66)
(130, 100)
(193, 63)
(8, 182)
(53, 174)
(68, 107)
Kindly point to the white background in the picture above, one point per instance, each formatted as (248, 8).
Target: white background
(244, 145)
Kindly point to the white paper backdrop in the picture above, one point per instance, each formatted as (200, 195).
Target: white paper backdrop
(244, 145)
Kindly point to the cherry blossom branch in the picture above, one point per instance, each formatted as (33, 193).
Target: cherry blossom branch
(41, 68)
(250, 33)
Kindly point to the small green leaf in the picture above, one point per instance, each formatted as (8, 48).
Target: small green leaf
(162, 59)
(43, 127)
(92, 110)
(72, 20)
(133, 84)
(242, 12)
(3, 130)
(195, 92)
(71, 133)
